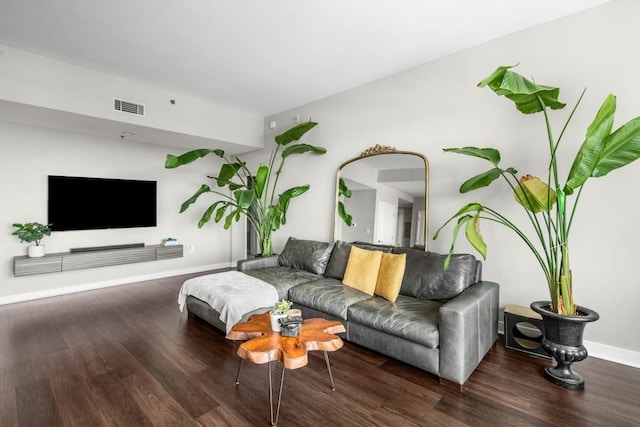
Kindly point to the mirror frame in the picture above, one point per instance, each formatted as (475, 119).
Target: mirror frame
(378, 150)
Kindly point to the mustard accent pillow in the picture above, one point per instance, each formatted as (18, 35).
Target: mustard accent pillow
(362, 270)
(390, 276)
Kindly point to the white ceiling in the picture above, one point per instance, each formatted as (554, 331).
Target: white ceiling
(263, 56)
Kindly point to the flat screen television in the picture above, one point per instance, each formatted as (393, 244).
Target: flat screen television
(82, 203)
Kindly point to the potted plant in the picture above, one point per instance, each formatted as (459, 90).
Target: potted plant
(252, 194)
(32, 232)
(279, 311)
(549, 207)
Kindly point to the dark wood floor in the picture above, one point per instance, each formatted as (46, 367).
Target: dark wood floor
(126, 356)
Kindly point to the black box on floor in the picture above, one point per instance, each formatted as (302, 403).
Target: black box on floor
(523, 331)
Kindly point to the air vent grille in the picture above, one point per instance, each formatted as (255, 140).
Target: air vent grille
(128, 107)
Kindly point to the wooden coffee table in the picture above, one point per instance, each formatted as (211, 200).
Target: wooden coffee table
(262, 345)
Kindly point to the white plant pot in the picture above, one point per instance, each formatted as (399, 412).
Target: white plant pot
(35, 251)
(275, 324)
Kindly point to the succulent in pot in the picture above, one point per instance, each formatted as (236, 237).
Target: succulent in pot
(279, 311)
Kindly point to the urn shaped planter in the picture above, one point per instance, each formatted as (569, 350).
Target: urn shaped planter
(563, 341)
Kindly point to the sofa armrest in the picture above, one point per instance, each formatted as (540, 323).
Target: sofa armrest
(468, 329)
(257, 263)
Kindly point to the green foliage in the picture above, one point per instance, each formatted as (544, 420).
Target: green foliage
(282, 307)
(253, 195)
(31, 232)
(546, 205)
(343, 190)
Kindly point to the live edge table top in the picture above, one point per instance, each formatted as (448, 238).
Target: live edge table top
(262, 345)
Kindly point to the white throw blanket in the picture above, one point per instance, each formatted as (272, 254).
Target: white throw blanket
(231, 293)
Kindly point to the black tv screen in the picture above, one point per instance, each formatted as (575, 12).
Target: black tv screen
(79, 203)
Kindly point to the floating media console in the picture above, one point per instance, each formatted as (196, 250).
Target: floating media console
(106, 248)
(93, 257)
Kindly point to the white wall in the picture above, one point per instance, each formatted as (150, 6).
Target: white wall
(362, 206)
(437, 105)
(32, 153)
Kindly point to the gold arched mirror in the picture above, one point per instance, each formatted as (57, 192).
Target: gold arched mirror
(382, 198)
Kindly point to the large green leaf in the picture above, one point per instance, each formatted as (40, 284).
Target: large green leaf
(227, 172)
(285, 198)
(295, 133)
(526, 94)
(471, 207)
(342, 213)
(244, 198)
(274, 217)
(261, 179)
(235, 186)
(301, 149)
(191, 200)
(294, 192)
(622, 148)
(343, 190)
(534, 195)
(175, 161)
(490, 154)
(472, 231)
(483, 180)
(221, 210)
(206, 216)
(592, 148)
(229, 219)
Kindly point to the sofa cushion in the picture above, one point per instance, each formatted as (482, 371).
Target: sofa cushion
(390, 276)
(373, 247)
(338, 262)
(282, 278)
(327, 295)
(340, 255)
(362, 270)
(425, 278)
(409, 318)
(307, 255)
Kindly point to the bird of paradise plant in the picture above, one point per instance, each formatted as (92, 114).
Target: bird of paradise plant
(253, 195)
(548, 207)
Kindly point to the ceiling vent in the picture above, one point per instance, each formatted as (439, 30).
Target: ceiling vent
(128, 107)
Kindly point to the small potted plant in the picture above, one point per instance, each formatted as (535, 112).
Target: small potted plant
(32, 232)
(279, 311)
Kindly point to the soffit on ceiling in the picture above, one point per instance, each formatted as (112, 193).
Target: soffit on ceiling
(259, 56)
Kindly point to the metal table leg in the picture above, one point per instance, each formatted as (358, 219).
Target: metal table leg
(274, 421)
(239, 370)
(326, 359)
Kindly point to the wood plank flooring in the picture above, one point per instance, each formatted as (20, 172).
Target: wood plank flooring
(126, 356)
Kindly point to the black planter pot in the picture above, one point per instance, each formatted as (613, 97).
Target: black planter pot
(563, 341)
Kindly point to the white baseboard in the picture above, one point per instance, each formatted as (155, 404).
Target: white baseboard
(604, 351)
(28, 296)
(613, 354)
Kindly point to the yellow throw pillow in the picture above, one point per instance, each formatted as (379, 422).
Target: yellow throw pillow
(362, 269)
(390, 276)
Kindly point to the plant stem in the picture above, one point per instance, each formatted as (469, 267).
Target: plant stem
(496, 217)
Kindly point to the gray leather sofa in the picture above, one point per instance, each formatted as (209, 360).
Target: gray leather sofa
(443, 322)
